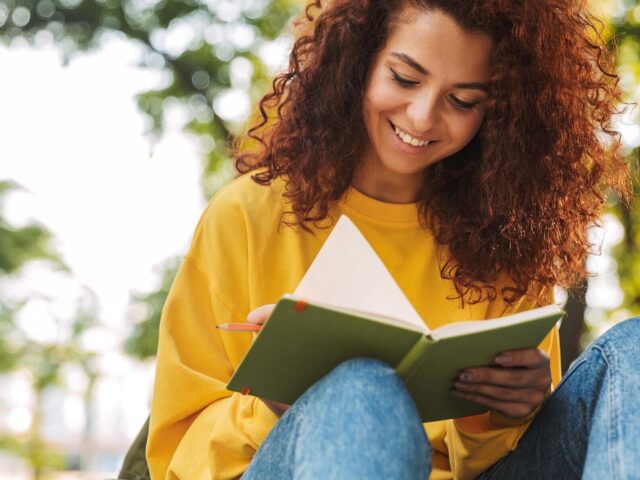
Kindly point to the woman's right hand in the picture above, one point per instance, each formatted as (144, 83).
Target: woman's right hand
(258, 317)
(260, 314)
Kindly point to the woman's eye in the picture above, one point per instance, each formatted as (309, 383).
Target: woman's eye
(403, 82)
(462, 105)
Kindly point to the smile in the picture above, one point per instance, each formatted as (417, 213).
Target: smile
(408, 139)
(407, 143)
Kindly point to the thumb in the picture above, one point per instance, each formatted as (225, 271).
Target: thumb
(260, 314)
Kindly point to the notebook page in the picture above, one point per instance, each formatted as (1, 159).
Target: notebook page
(347, 273)
(468, 327)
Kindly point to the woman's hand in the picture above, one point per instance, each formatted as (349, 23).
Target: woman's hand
(515, 387)
(260, 314)
(258, 317)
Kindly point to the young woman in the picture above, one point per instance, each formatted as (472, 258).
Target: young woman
(470, 142)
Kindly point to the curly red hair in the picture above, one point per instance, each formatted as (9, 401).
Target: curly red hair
(520, 197)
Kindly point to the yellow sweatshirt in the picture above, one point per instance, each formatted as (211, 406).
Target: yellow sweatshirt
(240, 258)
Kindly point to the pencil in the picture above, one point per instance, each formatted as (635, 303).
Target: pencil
(239, 327)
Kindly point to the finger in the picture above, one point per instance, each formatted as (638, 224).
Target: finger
(533, 396)
(527, 358)
(509, 409)
(507, 377)
(260, 314)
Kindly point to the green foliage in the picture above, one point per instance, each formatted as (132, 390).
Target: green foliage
(195, 77)
(19, 245)
(44, 362)
(626, 34)
(40, 456)
(8, 354)
(143, 341)
(626, 253)
(223, 32)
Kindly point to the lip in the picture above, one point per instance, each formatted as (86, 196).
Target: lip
(405, 147)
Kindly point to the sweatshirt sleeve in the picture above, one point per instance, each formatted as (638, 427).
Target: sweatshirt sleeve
(198, 429)
(476, 443)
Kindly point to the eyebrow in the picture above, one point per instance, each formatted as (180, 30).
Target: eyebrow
(416, 66)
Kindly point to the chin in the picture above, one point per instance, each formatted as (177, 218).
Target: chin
(408, 167)
(405, 171)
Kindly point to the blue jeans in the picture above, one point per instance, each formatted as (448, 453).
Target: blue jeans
(359, 422)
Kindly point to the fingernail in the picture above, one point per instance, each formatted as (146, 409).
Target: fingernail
(466, 377)
(503, 359)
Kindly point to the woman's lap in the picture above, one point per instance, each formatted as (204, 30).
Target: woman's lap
(343, 427)
(337, 428)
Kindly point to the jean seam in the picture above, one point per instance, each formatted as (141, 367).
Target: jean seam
(574, 366)
(613, 430)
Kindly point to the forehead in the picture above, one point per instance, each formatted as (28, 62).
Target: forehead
(436, 41)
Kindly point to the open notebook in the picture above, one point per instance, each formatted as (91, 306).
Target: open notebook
(348, 306)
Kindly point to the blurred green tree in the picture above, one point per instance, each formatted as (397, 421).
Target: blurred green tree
(42, 361)
(222, 58)
(143, 341)
(209, 53)
(45, 363)
(18, 246)
(626, 32)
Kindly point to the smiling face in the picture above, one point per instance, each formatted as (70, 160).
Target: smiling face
(424, 100)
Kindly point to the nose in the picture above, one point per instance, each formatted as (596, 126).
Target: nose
(423, 112)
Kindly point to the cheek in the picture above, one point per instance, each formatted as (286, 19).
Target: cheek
(368, 115)
(380, 97)
(465, 129)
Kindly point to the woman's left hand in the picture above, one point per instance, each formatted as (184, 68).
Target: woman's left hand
(515, 386)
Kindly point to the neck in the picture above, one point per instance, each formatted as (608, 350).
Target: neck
(386, 186)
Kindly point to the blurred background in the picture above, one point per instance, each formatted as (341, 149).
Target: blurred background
(115, 122)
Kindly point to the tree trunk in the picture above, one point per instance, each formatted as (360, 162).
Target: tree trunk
(35, 440)
(572, 326)
(88, 442)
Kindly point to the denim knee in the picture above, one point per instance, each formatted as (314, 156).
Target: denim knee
(625, 336)
(359, 373)
(360, 417)
(362, 366)
(621, 343)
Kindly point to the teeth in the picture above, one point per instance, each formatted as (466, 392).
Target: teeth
(408, 139)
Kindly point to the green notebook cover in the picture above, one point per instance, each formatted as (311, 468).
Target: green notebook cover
(429, 378)
(298, 346)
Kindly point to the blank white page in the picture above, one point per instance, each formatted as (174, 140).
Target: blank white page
(347, 273)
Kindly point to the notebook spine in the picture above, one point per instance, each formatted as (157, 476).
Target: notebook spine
(406, 366)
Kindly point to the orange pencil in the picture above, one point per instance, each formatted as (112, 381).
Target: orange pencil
(239, 327)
